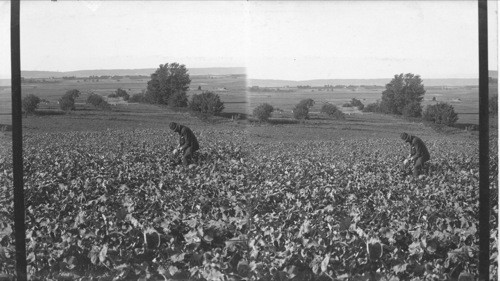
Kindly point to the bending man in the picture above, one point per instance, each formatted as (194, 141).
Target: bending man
(187, 141)
(418, 152)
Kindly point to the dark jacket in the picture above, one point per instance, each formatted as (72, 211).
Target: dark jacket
(187, 138)
(418, 148)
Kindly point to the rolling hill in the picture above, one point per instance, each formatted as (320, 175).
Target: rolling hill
(124, 72)
(455, 82)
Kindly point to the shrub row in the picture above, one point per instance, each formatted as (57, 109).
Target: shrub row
(120, 93)
(300, 111)
(354, 103)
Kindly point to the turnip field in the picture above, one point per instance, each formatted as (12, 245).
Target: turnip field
(115, 205)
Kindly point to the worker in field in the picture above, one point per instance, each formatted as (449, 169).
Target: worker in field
(418, 152)
(188, 143)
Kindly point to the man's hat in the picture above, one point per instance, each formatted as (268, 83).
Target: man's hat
(173, 126)
(404, 136)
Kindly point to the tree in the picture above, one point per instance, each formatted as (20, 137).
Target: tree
(307, 102)
(178, 99)
(206, 103)
(139, 97)
(97, 101)
(357, 103)
(332, 111)
(263, 112)
(372, 107)
(30, 103)
(73, 93)
(401, 91)
(67, 101)
(301, 110)
(122, 93)
(413, 109)
(440, 113)
(167, 80)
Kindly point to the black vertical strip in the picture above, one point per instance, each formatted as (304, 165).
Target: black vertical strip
(17, 141)
(484, 203)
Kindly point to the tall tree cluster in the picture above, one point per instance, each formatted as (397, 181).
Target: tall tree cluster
(168, 79)
(404, 92)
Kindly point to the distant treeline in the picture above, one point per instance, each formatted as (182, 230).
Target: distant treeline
(324, 88)
(270, 89)
(216, 76)
(352, 86)
(104, 77)
(92, 78)
(38, 80)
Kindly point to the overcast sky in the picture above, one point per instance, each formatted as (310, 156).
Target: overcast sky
(274, 40)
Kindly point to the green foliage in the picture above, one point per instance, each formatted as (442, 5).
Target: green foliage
(357, 103)
(493, 105)
(440, 113)
(332, 111)
(139, 97)
(167, 80)
(67, 101)
(401, 91)
(302, 210)
(354, 103)
(263, 112)
(301, 110)
(206, 103)
(413, 109)
(306, 103)
(97, 101)
(73, 93)
(30, 103)
(122, 93)
(178, 99)
(372, 107)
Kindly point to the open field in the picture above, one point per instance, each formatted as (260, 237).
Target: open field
(464, 100)
(320, 200)
(231, 89)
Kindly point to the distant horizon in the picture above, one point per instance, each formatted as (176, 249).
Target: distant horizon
(464, 76)
(267, 82)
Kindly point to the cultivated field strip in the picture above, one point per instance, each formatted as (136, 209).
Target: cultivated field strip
(116, 205)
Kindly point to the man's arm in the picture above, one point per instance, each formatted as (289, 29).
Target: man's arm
(187, 140)
(412, 150)
(417, 149)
